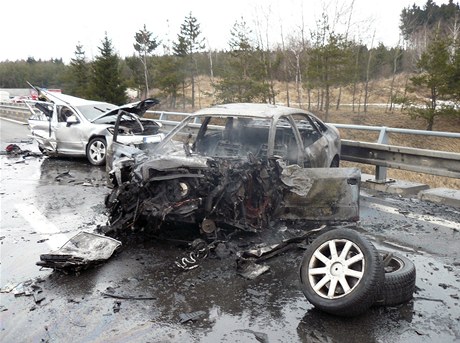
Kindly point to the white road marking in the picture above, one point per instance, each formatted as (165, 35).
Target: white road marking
(42, 225)
(420, 217)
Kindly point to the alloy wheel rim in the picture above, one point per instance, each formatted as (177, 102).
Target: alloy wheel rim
(336, 268)
(97, 151)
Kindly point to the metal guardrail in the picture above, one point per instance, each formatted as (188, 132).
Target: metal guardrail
(14, 111)
(383, 155)
(380, 153)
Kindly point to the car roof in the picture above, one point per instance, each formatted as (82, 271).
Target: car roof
(263, 111)
(64, 99)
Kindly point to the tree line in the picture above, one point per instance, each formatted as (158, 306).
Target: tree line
(319, 64)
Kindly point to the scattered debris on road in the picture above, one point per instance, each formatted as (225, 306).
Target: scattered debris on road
(27, 288)
(80, 252)
(192, 316)
(15, 150)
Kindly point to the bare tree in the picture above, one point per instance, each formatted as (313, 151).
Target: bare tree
(265, 48)
(396, 56)
(366, 87)
(285, 66)
(296, 49)
(339, 97)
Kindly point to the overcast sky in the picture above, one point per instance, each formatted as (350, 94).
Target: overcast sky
(52, 28)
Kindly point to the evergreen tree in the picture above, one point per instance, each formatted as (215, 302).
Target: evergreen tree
(106, 82)
(433, 75)
(418, 20)
(189, 42)
(243, 77)
(169, 78)
(134, 75)
(77, 75)
(330, 63)
(453, 79)
(144, 46)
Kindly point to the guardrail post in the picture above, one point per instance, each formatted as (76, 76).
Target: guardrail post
(383, 136)
(381, 172)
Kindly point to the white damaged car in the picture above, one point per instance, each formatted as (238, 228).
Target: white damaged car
(65, 125)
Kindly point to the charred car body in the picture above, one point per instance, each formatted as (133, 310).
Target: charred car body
(65, 125)
(243, 165)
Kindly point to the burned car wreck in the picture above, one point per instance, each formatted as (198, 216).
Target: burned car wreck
(243, 166)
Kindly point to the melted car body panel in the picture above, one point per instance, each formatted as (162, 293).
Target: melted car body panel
(326, 194)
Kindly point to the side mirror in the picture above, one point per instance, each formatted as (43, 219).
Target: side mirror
(72, 120)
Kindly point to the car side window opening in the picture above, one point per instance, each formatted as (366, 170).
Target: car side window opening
(285, 142)
(233, 137)
(310, 131)
(63, 113)
(229, 143)
(206, 139)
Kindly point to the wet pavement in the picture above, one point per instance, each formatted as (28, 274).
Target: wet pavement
(140, 295)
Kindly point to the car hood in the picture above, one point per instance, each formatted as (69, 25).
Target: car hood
(139, 108)
(168, 162)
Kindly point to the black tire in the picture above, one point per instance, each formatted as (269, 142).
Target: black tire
(359, 269)
(96, 151)
(400, 275)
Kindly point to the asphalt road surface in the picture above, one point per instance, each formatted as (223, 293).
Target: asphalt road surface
(45, 201)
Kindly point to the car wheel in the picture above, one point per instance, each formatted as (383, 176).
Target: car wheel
(96, 151)
(341, 273)
(399, 285)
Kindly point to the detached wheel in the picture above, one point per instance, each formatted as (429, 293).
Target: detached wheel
(96, 151)
(341, 273)
(400, 275)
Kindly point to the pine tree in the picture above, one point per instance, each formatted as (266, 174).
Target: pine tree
(169, 78)
(243, 77)
(144, 46)
(188, 44)
(78, 74)
(453, 80)
(106, 82)
(330, 63)
(434, 71)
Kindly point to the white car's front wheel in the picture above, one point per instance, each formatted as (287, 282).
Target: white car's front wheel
(96, 151)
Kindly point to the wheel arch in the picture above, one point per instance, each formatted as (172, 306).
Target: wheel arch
(335, 162)
(92, 136)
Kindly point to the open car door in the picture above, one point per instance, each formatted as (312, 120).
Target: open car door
(42, 124)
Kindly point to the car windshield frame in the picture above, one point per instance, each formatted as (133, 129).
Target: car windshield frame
(94, 110)
(204, 122)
